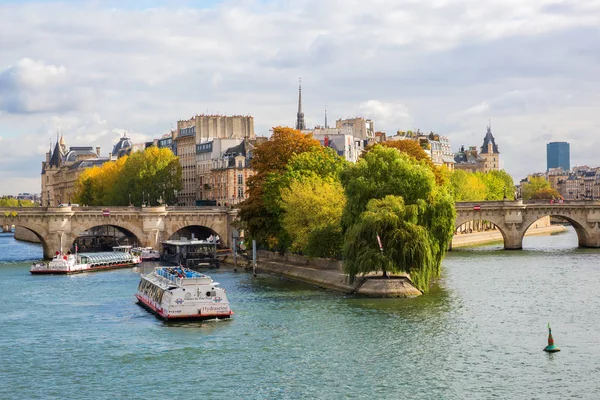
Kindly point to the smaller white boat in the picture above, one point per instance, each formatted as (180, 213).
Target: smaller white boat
(147, 253)
(120, 257)
(178, 293)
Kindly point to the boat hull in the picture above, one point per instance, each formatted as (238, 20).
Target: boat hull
(160, 313)
(80, 271)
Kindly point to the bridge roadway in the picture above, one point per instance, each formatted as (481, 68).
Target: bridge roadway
(58, 227)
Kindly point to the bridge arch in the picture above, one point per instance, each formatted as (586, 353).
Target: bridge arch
(583, 234)
(80, 227)
(202, 232)
(39, 230)
(495, 220)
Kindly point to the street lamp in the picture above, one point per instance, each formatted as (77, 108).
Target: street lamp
(176, 201)
(143, 198)
(129, 199)
(69, 194)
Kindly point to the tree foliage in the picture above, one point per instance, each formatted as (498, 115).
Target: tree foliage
(535, 184)
(478, 186)
(391, 195)
(14, 202)
(546, 193)
(152, 175)
(312, 209)
(271, 158)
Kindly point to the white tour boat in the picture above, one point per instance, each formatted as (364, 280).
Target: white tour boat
(120, 257)
(147, 253)
(178, 293)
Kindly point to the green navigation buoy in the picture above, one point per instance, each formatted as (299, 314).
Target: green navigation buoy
(551, 348)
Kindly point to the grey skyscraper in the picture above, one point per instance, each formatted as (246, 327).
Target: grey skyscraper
(558, 155)
(300, 116)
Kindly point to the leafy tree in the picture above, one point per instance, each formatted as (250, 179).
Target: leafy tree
(269, 159)
(498, 184)
(148, 176)
(14, 202)
(310, 205)
(535, 184)
(153, 173)
(410, 147)
(391, 195)
(546, 193)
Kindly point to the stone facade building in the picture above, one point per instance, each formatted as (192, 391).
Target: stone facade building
(207, 127)
(230, 173)
(206, 153)
(489, 152)
(359, 127)
(199, 130)
(186, 151)
(63, 166)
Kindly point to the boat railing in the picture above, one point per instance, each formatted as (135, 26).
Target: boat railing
(182, 280)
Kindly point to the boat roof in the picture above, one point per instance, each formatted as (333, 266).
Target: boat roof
(167, 276)
(188, 242)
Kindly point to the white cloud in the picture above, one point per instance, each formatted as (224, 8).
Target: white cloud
(95, 71)
(387, 116)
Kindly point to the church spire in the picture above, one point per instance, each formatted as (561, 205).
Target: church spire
(300, 115)
(326, 118)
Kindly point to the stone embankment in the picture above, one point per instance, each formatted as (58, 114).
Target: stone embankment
(328, 274)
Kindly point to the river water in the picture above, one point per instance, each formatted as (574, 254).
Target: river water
(478, 335)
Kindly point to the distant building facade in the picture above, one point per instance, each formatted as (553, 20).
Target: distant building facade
(207, 127)
(230, 173)
(558, 155)
(341, 140)
(199, 130)
(469, 160)
(489, 152)
(63, 166)
(358, 127)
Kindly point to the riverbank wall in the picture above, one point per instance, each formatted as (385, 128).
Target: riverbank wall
(328, 274)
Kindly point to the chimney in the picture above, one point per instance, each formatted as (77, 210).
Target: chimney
(48, 158)
(98, 150)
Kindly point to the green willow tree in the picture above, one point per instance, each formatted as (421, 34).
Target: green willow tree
(392, 195)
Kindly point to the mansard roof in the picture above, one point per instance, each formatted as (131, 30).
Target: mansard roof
(489, 138)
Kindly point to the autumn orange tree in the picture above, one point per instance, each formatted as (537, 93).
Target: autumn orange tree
(271, 157)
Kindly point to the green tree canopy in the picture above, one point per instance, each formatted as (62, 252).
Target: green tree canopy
(535, 184)
(312, 212)
(152, 174)
(14, 202)
(391, 195)
(270, 159)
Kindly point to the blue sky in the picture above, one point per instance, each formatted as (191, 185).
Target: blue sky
(96, 69)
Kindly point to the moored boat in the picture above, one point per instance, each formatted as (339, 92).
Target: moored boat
(120, 257)
(147, 253)
(178, 293)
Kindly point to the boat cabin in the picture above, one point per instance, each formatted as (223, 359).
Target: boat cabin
(191, 253)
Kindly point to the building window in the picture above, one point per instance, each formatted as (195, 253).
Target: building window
(240, 165)
(240, 192)
(240, 179)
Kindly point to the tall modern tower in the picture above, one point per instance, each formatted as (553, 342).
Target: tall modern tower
(558, 155)
(300, 115)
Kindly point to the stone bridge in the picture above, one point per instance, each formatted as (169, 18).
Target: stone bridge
(58, 227)
(513, 218)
